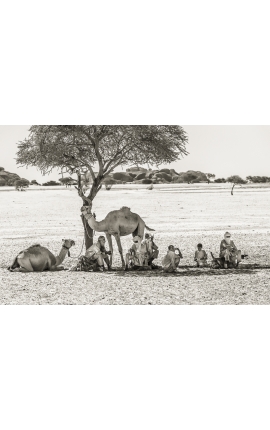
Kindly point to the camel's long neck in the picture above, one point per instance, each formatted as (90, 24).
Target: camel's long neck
(62, 255)
(96, 225)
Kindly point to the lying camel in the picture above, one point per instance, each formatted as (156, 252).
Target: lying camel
(37, 258)
(117, 223)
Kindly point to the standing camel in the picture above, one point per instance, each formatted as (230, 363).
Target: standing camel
(37, 258)
(117, 223)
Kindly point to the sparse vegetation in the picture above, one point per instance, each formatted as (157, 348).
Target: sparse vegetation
(220, 181)
(235, 180)
(258, 179)
(51, 184)
(77, 148)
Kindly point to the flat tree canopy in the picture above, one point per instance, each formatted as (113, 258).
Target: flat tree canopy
(77, 148)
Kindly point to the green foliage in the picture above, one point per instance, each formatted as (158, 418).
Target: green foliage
(34, 182)
(2, 182)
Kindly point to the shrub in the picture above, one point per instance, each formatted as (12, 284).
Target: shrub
(220, 180)
(122, 176)
(2, 182)
(235, 179)
(164, 176)
(178, 180)
(147, 181)
(51, 184)
(140, 176)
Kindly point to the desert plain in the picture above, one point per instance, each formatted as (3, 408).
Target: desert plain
(181, 214)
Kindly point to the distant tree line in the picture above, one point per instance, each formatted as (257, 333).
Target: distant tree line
(237, 179)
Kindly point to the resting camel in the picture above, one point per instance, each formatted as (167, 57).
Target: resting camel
(117, 223)
(37, 258)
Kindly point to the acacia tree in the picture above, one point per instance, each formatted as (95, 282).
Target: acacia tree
(210, 176)
(77, 148)
(235, 180)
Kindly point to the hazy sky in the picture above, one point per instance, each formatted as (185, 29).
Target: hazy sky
(223, 150)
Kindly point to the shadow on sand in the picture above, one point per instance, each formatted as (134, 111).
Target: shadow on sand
(247, 269)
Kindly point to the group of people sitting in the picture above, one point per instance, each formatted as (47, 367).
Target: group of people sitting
(141, 256)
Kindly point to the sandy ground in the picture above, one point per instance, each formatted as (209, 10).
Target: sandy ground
(182, 215)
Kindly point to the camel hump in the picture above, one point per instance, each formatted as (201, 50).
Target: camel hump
(125, 209)
(34, 246)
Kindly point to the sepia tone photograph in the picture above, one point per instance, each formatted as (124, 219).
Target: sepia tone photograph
(134, 215)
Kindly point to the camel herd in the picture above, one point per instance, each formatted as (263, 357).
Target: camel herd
(117, 223)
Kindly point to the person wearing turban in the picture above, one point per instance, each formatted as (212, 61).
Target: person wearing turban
(229, 251)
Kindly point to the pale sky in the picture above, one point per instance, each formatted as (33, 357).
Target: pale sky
(223, 150)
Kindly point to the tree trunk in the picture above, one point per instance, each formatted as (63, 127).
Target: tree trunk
(88, 233)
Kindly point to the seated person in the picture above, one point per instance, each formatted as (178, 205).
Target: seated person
(137, 255)
(229, 252)
(171, 260)
(200, 256)
(152, 250)
(98, 254)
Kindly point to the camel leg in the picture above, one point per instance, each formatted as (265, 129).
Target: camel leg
(25, 266)
(109, 239)
(128, 257)
(120, 249)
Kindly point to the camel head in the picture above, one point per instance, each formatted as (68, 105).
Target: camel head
(86, 209)
(68, 243)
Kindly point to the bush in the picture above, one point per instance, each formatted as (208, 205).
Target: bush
(220, 180)
(147, 181)
(140, 176)
(1, 168)
(122, 176)
(11, 182)
(178, 180)
(165, 171)
(51, 184)
(164, 176)
(2, 182)
(258, 179)
(235, 179)
(21, 183)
